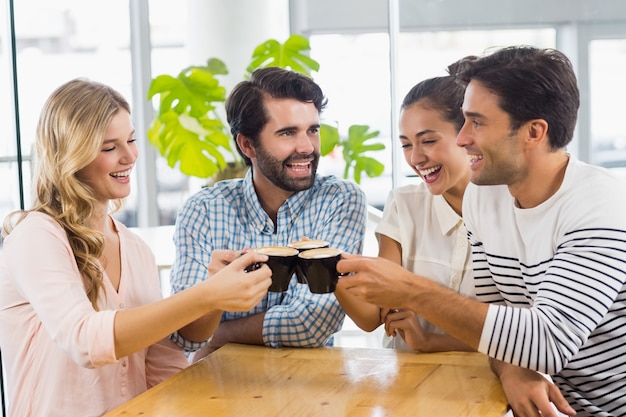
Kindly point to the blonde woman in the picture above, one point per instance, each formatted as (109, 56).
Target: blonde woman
(83, 327)
(422, 228)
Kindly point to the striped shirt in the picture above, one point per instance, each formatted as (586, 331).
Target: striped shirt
(555, 275)
(229, 216)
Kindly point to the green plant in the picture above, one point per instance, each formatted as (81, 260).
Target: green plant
(353, 149)
(189, 132)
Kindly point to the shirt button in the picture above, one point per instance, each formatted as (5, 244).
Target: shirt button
(121, 305)
(124, 364)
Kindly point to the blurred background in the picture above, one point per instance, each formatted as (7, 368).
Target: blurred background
(370, 53)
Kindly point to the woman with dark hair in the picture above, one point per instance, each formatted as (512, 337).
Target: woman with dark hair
(422, 228)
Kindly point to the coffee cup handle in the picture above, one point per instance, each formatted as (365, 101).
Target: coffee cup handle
(253, 267)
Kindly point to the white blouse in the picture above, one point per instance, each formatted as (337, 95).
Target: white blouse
(433, 240)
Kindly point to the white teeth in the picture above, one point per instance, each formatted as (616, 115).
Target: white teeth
(474, 158)
(121, 174)
(300, 164)
(428, 171)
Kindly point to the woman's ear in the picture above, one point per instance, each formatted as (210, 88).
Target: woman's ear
(246, 146)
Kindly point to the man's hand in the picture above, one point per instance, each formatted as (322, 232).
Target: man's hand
(529, 393)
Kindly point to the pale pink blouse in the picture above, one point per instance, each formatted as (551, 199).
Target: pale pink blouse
(57, 350)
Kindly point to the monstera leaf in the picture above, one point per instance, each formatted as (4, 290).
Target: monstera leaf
(272, 53)
(187, 130)
(189, 133)
(354, 148)
(329, 138)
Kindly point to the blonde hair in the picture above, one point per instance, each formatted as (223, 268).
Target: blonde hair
(70, 133)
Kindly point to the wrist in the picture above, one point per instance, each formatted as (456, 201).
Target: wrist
(501, 369)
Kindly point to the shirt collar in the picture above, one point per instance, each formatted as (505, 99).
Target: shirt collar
(261, 220)
(448, 218)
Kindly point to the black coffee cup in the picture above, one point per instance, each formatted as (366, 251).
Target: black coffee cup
(303, 245)
(282, 260)
(319, 268)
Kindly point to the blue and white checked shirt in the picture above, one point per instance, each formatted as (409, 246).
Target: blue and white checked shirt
(229, 216)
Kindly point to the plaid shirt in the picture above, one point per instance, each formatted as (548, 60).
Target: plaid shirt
(229, 216)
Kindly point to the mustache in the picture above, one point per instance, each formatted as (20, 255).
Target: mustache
(300, 156)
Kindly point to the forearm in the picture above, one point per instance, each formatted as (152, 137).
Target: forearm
(143, 326)
(247, 330)
(203, 328)
(363, 314)
(444, 343)
(233, 289)
(457, 315)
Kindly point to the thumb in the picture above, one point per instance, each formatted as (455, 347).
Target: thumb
(248, 259)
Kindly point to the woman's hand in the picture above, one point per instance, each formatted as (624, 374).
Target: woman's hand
(235, 288)
(221, 258)
(405, 323)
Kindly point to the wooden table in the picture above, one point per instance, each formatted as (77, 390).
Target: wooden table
(240, 380)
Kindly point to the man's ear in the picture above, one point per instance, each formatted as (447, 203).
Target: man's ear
(537, 132)
(246, 146)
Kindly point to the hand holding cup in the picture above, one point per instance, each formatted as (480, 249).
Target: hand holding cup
(282, 261)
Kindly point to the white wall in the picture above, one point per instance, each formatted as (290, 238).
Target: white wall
(230, 30)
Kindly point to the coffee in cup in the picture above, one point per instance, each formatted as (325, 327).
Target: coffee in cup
(308, 244)
(319, 268)
(303, 245)
(282, 260)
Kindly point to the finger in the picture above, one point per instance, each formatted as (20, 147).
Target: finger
(349, 256)
(398, 315)
(555, 395)
(383, 314)
(344, 265)
(347, 282)
(545, 410)
(262, 274)
(355, 263)
(249, 258)
(390, 330)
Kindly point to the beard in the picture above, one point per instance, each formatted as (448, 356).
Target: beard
(274, 170)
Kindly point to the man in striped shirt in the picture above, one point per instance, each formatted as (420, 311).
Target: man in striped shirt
(274, 119)
(548, 238)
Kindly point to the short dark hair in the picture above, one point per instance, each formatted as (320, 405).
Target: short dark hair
(531, 83)
(442, 94)
(245, 109)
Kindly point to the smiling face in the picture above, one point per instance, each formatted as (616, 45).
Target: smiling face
(429, 147)
(109, 174)
(286, 154)
(496, 153)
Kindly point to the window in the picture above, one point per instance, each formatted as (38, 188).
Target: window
(607, 63)
(56, 41)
